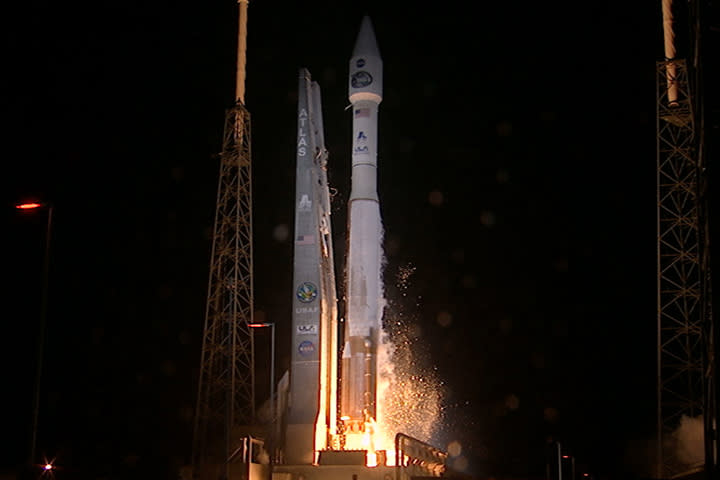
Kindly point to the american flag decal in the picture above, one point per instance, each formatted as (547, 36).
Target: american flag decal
(362, 112)
(305, 240)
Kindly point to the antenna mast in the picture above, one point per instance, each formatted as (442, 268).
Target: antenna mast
(241, 52)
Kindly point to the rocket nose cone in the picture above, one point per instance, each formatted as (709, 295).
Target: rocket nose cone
(365, 75)
(366, 45)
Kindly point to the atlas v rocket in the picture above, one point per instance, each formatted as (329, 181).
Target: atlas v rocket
(312, 419)
(363, 287)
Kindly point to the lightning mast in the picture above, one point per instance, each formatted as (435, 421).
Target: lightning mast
(225, 401)
(685, 346)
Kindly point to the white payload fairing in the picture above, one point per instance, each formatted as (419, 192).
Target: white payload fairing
(364, 298)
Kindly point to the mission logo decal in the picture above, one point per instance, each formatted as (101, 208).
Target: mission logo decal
(307, 329)
(306, 348)
(306, 292)
(361, 79)
(360, 63)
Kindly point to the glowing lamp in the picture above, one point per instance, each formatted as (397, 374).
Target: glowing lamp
(28, 206)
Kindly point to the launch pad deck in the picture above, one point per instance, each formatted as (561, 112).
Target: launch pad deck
(332, 472)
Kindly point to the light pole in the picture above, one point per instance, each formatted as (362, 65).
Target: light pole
(571, 467)
(43, 317)
(272, 370)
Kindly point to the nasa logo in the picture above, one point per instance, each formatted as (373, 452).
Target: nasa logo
(306, 292)
(361, 79)
(306, 348)
(360, 63)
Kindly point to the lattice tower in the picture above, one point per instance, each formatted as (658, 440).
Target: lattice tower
(683, 273)
(226, 385)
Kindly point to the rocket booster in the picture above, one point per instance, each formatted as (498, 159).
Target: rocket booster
(311, 416)
(363, 285)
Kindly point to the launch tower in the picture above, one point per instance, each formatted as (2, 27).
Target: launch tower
(685, 327)
(225, 402)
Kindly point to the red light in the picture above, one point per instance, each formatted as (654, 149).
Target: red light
(28, 206)
(566, 456)
(258, 325)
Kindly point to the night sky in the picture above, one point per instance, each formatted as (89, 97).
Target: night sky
(516, 180)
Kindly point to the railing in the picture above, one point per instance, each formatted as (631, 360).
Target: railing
(249, 461)
(416, 458)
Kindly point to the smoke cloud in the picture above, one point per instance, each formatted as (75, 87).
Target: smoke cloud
(690, 440)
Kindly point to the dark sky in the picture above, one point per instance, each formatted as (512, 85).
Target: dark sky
(533, 124)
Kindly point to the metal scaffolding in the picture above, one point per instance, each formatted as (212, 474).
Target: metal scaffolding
(683, 302)
(226, 386)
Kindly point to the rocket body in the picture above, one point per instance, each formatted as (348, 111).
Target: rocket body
(311, 416)
(363, 270)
